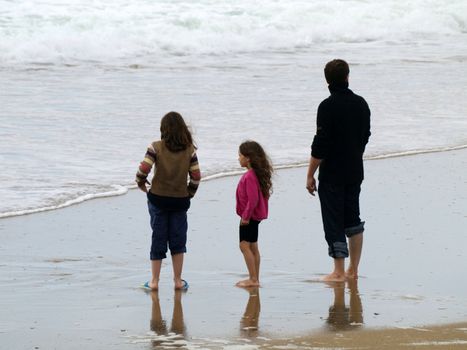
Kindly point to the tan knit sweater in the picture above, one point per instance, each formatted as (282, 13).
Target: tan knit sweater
(171, 171)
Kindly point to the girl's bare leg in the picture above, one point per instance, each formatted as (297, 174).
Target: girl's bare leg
(255, 251)
(250, 264)
(156, 272)
(177, 264)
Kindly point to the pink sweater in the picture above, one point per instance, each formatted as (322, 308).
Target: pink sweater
(251, 204)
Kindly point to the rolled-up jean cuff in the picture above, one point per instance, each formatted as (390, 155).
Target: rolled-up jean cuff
(350, 231)
(338, 250)
(177, 251)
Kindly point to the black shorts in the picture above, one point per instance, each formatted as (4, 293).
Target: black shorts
(249, 232)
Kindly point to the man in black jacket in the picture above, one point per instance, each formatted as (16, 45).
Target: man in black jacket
(343, 129)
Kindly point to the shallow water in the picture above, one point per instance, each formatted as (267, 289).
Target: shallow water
(69, 135)
(74, 273)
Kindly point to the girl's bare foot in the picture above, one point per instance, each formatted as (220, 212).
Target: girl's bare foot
(150, 285)
(180, 284)
(247, 283)
(153, 284)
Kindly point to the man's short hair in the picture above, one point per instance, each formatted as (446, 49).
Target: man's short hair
(336, 71)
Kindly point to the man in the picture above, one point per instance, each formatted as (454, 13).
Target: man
(343, 129)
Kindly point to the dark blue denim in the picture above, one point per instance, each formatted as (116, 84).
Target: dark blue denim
(169, 228)
(340, 210)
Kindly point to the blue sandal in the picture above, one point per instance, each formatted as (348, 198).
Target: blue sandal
(185, 285)
(146, 287)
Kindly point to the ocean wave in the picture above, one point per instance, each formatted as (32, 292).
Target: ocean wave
(118, 191)
(415, 152)
(121, 190)
(141, 31)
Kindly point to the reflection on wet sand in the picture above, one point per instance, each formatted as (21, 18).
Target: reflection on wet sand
(159, 326)
(250, 318)
(340, 316)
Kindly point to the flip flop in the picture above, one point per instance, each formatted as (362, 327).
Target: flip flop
(185, 285)
(146, 287)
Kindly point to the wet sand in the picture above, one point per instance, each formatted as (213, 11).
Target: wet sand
(69, 278)
(452, 336)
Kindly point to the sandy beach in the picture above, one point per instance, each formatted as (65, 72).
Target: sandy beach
(69, 278)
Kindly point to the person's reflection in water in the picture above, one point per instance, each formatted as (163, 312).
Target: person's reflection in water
(159, 326)
(250, 318)
(342, 317)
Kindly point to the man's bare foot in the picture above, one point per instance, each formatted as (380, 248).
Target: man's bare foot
(333, 277)
(247, 283)
(350, 274)
(242, 281)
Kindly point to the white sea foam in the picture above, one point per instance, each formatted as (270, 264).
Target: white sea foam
(439, 343)
(78, 31)
(119, 190)
(415, 152)
(172, 340)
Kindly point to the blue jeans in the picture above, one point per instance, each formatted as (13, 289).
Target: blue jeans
(340, 210)
(168, 228)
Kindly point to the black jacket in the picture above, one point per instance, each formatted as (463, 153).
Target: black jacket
(343, 129)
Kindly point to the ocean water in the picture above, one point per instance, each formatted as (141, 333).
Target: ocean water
(85, 83)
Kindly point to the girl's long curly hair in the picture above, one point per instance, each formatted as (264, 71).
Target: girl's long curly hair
(260, 163)
(175, 133)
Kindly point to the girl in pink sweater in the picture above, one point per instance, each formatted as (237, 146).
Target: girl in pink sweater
(253, 191)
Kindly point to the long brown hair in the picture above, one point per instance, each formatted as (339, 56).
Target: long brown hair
(260, 163)
(175, 133)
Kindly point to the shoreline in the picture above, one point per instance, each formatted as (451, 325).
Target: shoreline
(122, 190)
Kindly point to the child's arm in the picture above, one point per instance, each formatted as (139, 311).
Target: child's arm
(195, 175)
(252, 192)
(145, 168)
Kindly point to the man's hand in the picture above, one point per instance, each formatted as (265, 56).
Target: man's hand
(310, 177)
(244, 222)
(311, 185)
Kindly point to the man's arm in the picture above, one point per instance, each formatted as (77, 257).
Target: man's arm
(311, 181)
(367, 125)
(319, 148)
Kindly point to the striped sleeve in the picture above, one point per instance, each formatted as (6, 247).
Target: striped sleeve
(195, 175)
(146, 165)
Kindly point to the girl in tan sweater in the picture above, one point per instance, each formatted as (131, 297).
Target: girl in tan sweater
(175, 181)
